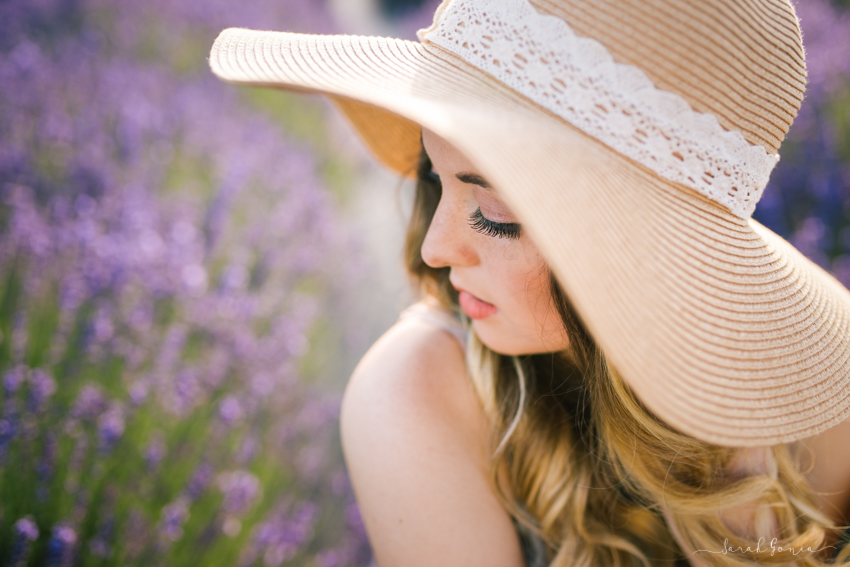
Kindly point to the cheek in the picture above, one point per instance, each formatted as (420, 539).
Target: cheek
(529, 287)
(527, 296)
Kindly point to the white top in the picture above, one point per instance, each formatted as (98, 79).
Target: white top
(430, 312)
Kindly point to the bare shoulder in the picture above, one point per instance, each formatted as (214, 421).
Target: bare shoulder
(414, 437)
(417, 367)
(410, 387)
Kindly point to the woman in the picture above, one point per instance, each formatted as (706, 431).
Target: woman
(649, 376)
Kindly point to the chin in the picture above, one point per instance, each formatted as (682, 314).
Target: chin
(503, 342)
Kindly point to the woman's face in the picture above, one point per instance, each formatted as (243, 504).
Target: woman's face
(502, 280)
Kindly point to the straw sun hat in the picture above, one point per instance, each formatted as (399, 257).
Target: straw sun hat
(633, 139)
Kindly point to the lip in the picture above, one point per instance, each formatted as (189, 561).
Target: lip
(474, 307)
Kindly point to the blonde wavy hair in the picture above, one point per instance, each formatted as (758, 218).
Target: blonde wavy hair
(580, 462)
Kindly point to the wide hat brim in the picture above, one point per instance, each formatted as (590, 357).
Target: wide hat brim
(720, 327)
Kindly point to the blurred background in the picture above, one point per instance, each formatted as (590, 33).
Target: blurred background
(189, 272)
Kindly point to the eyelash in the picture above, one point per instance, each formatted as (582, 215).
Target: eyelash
(480, 223)
(484, 225)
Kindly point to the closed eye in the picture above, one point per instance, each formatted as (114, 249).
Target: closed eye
(482, 224)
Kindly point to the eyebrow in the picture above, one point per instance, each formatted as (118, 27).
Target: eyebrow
(473, 178)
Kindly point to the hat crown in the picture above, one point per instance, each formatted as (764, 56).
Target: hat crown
(539, 55)
(740, 60)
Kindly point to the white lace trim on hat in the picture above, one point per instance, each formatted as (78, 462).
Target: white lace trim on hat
(540, 57)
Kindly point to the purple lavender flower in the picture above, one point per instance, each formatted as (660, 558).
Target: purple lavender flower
(102, 327)
(248, 450)
(46, 466)
(9, 426)
(155, 451)
(340, 484)
(280, 537)
(99, 545)
(184, 392)
(200, 481)
(230, 410)
(354, 519)
(141, 318)
(195, 278)
(309, 460)
(264, 383)
(72, 294)
(10, 417)
(62, 546)
(42, 386)
(25, 532)
(240, 489)
(110, 426)
(12, 380)
(827, 44)
(139, 392)
(90, 403)
(841, 269)
(26, 528)
(174, 515)
(235, 278)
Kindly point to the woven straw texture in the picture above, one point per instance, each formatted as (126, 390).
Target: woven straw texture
(720, 327)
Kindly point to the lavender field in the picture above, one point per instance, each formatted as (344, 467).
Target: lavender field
(167, 247)
(173, 262)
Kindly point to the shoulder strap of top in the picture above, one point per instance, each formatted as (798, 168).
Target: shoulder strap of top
(434, 314)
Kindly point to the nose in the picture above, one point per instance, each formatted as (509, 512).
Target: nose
(449, 242)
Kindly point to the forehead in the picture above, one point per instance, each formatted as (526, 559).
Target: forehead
(444, 155)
